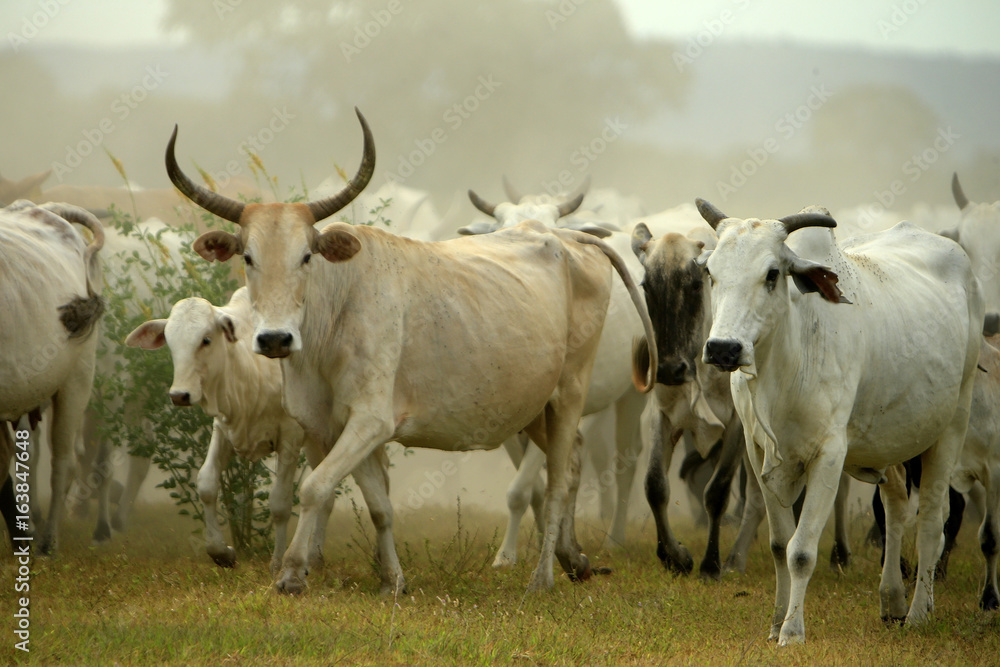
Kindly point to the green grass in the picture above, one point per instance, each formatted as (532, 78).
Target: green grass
(153, 597)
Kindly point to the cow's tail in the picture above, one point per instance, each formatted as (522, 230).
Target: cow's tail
(643, 377)
(81, 314)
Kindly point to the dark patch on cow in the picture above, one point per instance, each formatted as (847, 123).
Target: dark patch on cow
(81, 314)
(778, 551)
(675, 301)
(801, 562)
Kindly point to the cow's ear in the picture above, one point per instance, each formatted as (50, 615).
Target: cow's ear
(640, 237)
(218, 245)
(226, 325)
(337, 245)
(148, 335)
(813, 277)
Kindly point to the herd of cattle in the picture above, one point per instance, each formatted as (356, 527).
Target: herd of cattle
(765, 343)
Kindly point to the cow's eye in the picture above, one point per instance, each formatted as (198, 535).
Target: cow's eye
(305, 260)
(772, 276)
(247, 259)
(206, 341)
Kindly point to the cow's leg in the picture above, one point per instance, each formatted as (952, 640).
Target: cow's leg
(822, 482)
(101, 476)
(516, 448)
(556, 427)
(68, 406)
(753, 514)
(781, 525)
(568, 549)
(82, 489)
(717, 495)
(989, 536)
(892, 594)
(952, 524)
(674, 555)
(138, 469)
(937, 463)
(282, 496)
(363, 432)
(628, 447)
(315, 561)
(372, 476)
(519, 494)
(840, 556)
(220, 450)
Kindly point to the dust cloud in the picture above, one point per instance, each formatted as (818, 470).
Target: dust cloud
(460, 94)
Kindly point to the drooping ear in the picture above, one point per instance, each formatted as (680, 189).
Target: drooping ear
(702, 259)
(479, 227)
(148, 335)
(813, 277)
(951, 233)
(640, 237)
(337, 245)
(218, 245)
(991, 324)
(226, 324)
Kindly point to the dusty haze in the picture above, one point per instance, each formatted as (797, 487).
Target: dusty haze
(458, 94)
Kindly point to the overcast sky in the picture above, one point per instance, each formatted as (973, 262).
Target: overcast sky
(929, 26)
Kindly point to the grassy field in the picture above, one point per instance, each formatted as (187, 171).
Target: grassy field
(153, 597)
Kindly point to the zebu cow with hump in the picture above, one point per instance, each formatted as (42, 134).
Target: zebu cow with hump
(610, 385)
(870, 361)
(50, 281)
(384, 338)
(215, 368)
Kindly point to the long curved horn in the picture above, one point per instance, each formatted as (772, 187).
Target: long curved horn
(800, 220)
(574, 202)
(956, 191)
(225, 208)
(324, 208)
(712, 215)
(512, 194)
(482, 204)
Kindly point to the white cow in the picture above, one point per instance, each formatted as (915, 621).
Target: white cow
(50, 281)
(610, 382)
(215, 368)
(385, 338)
(978, 231)
(875, 368)
(980, 461)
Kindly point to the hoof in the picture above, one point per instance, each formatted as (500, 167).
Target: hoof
(47, 547)
(581, 576)
(840, 558)
(225, 559)
(989, 601)
(603, 571)
(291, 585)
(504, 559)
(682, 564)
(316, 562)
(102, 533)
(118, 523)
(391, 590)
(889, 621)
